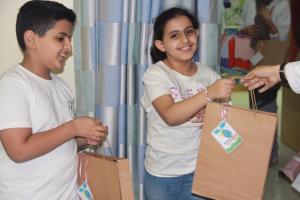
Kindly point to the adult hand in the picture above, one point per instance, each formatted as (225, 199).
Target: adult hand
(251, 31)
(266, 76)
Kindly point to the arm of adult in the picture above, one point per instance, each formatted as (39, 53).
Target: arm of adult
(247, 19)
(282, 21)
(268, 76)
(267, 16)
(252, 31)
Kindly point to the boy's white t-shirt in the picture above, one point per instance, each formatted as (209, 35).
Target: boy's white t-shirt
(172, 150)
(27, 100)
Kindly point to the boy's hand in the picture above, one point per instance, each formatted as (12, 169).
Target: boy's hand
(90, 128)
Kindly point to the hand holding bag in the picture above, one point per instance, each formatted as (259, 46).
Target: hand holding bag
(108, 177)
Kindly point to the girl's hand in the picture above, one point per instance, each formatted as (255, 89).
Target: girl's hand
(221, 89)
(199, 117)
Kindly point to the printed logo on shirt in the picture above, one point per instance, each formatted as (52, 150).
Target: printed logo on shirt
(176, 94)
(71, 106)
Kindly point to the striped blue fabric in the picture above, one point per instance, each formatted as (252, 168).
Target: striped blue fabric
(111, 52)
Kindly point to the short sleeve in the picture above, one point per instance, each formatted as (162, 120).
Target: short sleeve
(156, 84)
(13, 104)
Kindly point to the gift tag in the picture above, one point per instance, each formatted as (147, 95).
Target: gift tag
(85, 192)
(226, 136)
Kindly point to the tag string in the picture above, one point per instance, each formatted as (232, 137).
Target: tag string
(224, 111)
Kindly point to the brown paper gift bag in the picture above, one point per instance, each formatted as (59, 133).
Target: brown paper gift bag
(108, 177)
(239, 175)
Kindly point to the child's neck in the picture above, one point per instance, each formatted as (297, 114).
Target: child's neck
(187, 68)
(36, 69)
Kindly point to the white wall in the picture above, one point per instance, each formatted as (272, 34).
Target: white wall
(10, 54)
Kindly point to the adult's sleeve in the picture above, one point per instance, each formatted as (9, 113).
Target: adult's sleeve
(292, 72)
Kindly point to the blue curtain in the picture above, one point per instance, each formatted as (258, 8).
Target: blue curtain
(112, 39)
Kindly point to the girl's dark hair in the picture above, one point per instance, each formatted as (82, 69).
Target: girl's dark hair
(40, 16)
(159, 26)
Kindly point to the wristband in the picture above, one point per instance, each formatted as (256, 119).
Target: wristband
(282, 74)
(207, 97)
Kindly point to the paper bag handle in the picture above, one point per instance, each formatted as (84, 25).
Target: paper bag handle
(253, 100)
(252, 94)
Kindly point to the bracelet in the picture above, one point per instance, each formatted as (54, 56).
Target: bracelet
(206, 96)
(282, 74)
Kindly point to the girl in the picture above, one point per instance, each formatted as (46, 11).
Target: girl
(175, 96)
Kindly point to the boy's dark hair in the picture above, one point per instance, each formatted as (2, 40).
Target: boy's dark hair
(159, 26)
(40, 16)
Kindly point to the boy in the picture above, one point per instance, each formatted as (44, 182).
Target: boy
(38, 135)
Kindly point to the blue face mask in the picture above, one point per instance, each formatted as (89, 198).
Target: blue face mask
(85, 192)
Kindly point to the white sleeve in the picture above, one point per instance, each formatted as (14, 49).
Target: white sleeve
(155, 85)
(292, 72)
(281, 17)
(13, 105)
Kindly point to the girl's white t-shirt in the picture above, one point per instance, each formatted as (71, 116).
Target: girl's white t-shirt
(172, 150)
